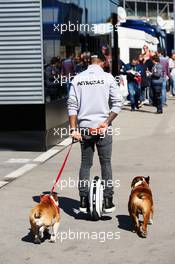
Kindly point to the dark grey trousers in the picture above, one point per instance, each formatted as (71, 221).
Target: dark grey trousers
(104, 149)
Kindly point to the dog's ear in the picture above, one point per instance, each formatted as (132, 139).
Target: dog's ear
(41, 197)
(147, 179)
(133, 182)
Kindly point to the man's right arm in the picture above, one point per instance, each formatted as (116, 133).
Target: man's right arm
(72, 104)
(73, 122)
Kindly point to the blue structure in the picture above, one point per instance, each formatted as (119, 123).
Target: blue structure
(155, 31)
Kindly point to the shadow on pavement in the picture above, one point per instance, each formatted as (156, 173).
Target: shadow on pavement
(146, 111)
(29, 237)
(71, 207)
(139, 110)
(124, 222)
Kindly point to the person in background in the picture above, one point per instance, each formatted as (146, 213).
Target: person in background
(146, 53)
(145, 80)
(86, 59)
(147, 62)
(107, 65)
(68, 70)
(164, 60)
(156, 83)
(172, 74)
(134, 73)
(121, 66)
(52, 73)
(122, 80)
(78, 65)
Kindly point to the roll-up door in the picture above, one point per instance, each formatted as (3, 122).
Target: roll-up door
(21, 58)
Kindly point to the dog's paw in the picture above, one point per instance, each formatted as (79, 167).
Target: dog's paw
(52, 239)
(37, 241)
(142, 233)
(135, 229)
(41, 234)
(150, 222)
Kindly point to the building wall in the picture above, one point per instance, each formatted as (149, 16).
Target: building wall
(21, 65)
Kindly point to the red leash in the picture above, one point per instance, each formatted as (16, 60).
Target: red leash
(62, 168)
(46, 198)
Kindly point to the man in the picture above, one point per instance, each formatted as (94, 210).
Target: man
(68, 70)
(134, 73)
(172, 74)
(52, 72)
(89, 112)
(144, 82)
(164, 61)
(107, 66)
(156, 83)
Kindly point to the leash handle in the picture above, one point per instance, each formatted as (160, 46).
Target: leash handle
(74, 140)
(94, 130)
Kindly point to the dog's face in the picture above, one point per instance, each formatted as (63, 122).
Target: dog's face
(140, 179)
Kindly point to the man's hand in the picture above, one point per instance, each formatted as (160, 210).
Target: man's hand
(76, 135)
(102, 128)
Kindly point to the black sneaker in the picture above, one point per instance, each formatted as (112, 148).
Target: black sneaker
(109, 207)
(84, 204)
(159, 111)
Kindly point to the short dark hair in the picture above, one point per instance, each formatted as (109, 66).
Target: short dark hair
(160, 51)
(135, 58)
(99, 55)
(155, 58)
(54, 60)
